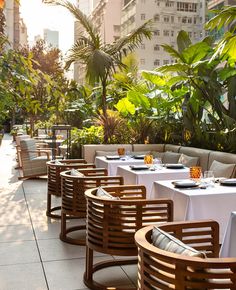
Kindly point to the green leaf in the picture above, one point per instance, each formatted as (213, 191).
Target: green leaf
(154, 77)
(183, 40)
(125, 107)
(196, 52)
(138, 99)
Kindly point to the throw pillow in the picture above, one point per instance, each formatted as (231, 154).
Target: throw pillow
(188, 161)
(171, 157)
(167, 242)
(75, 172)
(104, 194)
(156, 154)
(222, 169)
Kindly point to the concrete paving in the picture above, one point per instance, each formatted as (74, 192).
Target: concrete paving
(32, 257)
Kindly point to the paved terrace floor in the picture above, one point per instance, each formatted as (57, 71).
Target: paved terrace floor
(32, 257)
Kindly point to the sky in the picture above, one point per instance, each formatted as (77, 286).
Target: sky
(38, 16)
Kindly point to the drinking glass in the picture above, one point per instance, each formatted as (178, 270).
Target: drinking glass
(209, 178)
(157, 163)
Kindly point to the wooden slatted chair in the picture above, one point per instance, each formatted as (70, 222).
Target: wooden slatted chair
(112, 223)
(33, 159)
(73, 198)
(161, 269)
(54, 168)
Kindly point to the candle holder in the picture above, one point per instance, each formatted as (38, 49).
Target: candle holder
(195, 173)
(121, 151)
(148, 159)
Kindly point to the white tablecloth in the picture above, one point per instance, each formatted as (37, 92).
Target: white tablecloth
(147, 177)
(228, 248)
(111, 165)
(195, 204)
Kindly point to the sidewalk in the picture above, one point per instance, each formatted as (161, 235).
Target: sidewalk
(32, 255)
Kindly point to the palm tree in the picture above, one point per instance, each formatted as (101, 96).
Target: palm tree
(100, 59)
(223, 18)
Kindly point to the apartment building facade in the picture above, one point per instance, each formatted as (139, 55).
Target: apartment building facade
(12, 14)
(169, 17)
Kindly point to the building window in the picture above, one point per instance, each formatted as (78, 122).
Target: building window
(165, 61)
(166, 32)
(172, 19)
(184, 19)
(156, 47)
(157, 62)
(172, 33)
(169, 3)
(190, 34)
(142, 61)
(195, 20)
(157, 32)
(166, 19)
(189, 19)
(157, 2)
(143, 16)
(157, 17)
(187, 7)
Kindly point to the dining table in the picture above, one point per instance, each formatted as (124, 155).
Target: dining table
(112, 164)
(196, 203)
(147, 177)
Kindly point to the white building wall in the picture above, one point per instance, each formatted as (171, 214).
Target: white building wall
(168, 21)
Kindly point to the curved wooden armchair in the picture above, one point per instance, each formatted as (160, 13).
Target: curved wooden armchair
(54, 180)
(112, 223)
(33, 159)
(73, 197)
(161, 269)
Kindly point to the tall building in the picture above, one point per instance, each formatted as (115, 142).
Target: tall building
(23, 33)
(169, 17)
(51, 37)
(12, 14)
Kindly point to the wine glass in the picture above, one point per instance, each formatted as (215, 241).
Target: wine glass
(157, 163)
(209, 178)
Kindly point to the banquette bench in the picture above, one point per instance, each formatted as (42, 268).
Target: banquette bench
(205, 156)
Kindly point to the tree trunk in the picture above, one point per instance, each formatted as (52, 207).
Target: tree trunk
(104, 111)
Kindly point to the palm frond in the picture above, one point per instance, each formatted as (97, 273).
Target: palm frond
(223, 17)
(130, 41)
(173, 52)
(83, 20)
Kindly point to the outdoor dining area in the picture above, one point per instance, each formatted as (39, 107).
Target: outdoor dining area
(140, 216)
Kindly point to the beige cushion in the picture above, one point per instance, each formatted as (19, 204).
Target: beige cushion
(105, 153)
(104, 194)
(75, 172)
(167, 242)
(136, 153)
(188, 161)
(171, 157)
(159, 155)
(222, 169)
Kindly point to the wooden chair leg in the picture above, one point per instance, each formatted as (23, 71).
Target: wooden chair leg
(66, 230)
(51, 209)
(91, 268)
